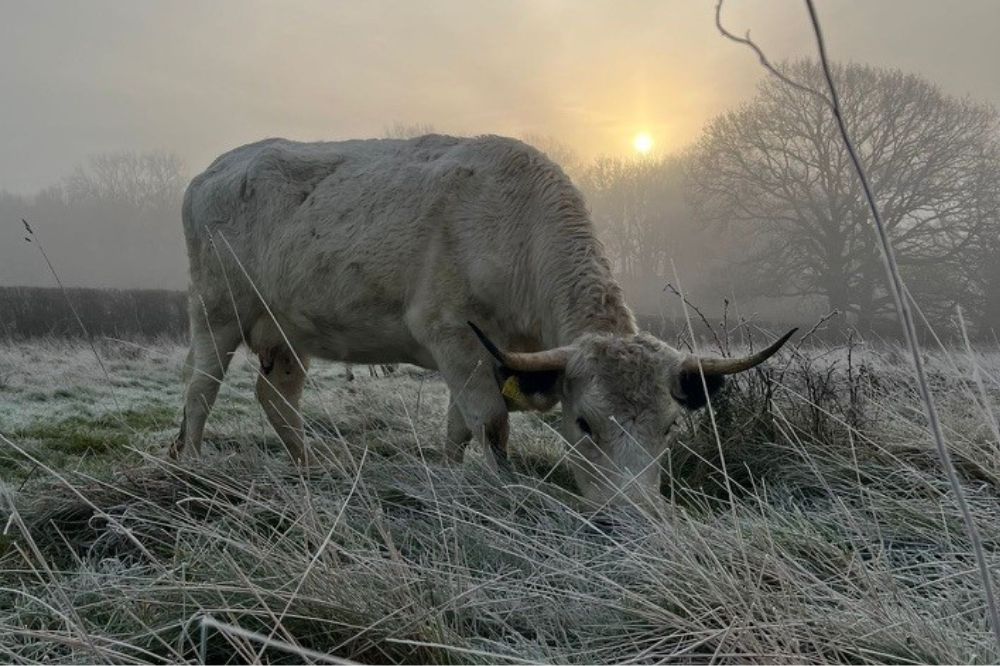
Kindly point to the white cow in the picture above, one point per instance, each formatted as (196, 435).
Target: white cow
(384, 251)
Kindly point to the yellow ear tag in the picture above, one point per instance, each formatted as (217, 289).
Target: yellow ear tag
(512, 393)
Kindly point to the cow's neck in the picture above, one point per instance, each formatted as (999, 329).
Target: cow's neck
(583, 296)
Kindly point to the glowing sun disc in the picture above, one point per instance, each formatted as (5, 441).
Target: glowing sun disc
(643, 143)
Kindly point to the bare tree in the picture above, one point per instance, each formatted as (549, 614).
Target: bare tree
(559, 152)
(115, 221)
(144, 181)
(777, 173)
(982, 274)
(640, 209)
(400, 130)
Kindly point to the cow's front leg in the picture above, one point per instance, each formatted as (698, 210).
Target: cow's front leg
(481, 410)
(457, 434)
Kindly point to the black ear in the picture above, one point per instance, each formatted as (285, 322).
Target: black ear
(690, 391)
(522, 390)
(527, 391)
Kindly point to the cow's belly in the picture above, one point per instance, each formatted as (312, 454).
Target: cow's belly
(369, 346)
(341, 305)
(362, 337)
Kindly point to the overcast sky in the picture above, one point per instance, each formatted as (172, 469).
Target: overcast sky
(198, 78)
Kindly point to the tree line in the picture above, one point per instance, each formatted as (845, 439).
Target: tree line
(31, 312)
(113, 222)
(761, 216)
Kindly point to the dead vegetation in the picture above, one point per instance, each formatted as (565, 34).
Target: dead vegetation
(834, 540)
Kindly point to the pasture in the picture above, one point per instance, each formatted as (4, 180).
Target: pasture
(807, 520)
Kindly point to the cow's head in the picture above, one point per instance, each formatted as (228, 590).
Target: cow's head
(621, 397)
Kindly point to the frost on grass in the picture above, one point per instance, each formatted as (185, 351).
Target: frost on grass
(839, 543)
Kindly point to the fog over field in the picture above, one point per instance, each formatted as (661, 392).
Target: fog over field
(181, 82)
(689, 432)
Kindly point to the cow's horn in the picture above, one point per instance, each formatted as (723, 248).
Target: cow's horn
(730, 366)
(550, 359)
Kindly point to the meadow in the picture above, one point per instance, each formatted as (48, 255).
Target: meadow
(807, 520)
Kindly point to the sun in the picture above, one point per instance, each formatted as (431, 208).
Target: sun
(643, 143)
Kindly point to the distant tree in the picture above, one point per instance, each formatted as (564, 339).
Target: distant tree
(400, 130)
(126, 208)
(559, 152)
(144, 181)
(641, 213)
(115, 221)
(983, 269)
(776, 173)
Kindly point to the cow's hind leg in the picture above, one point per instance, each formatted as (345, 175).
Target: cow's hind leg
(211, 349)
(279, 390)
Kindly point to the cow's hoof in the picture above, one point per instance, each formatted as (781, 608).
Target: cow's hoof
(175, 449)
(498, 462)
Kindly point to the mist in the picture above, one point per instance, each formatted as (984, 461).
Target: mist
(142, 96)
(696, 361)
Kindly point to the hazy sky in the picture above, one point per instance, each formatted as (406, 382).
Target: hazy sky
(198, 78)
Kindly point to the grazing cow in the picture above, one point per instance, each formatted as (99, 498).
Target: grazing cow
(384, 251)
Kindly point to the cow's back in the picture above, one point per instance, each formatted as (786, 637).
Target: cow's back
(341, 238)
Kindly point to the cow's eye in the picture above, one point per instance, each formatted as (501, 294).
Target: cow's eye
(582, 424)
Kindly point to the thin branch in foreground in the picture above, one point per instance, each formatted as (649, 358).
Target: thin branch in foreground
(897, 288)
(36, 241)
(910, 332)
(764, 62)
(701, 315)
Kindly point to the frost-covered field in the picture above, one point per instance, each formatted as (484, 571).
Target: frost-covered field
(831, 537)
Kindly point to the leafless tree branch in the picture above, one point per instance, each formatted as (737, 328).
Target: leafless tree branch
(765, 63)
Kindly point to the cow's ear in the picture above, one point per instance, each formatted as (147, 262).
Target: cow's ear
(689, 390)
(528, 380)
(696, 374)
(529, 391)
(539, 361)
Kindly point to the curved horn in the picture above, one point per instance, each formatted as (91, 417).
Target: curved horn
(730, 366)
(550, 359)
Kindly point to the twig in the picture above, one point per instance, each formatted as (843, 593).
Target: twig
(822, 320)
(33, 239)
(701, 315)
(796, 351)
(711, 416)
(765, 63)
(902, 306)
